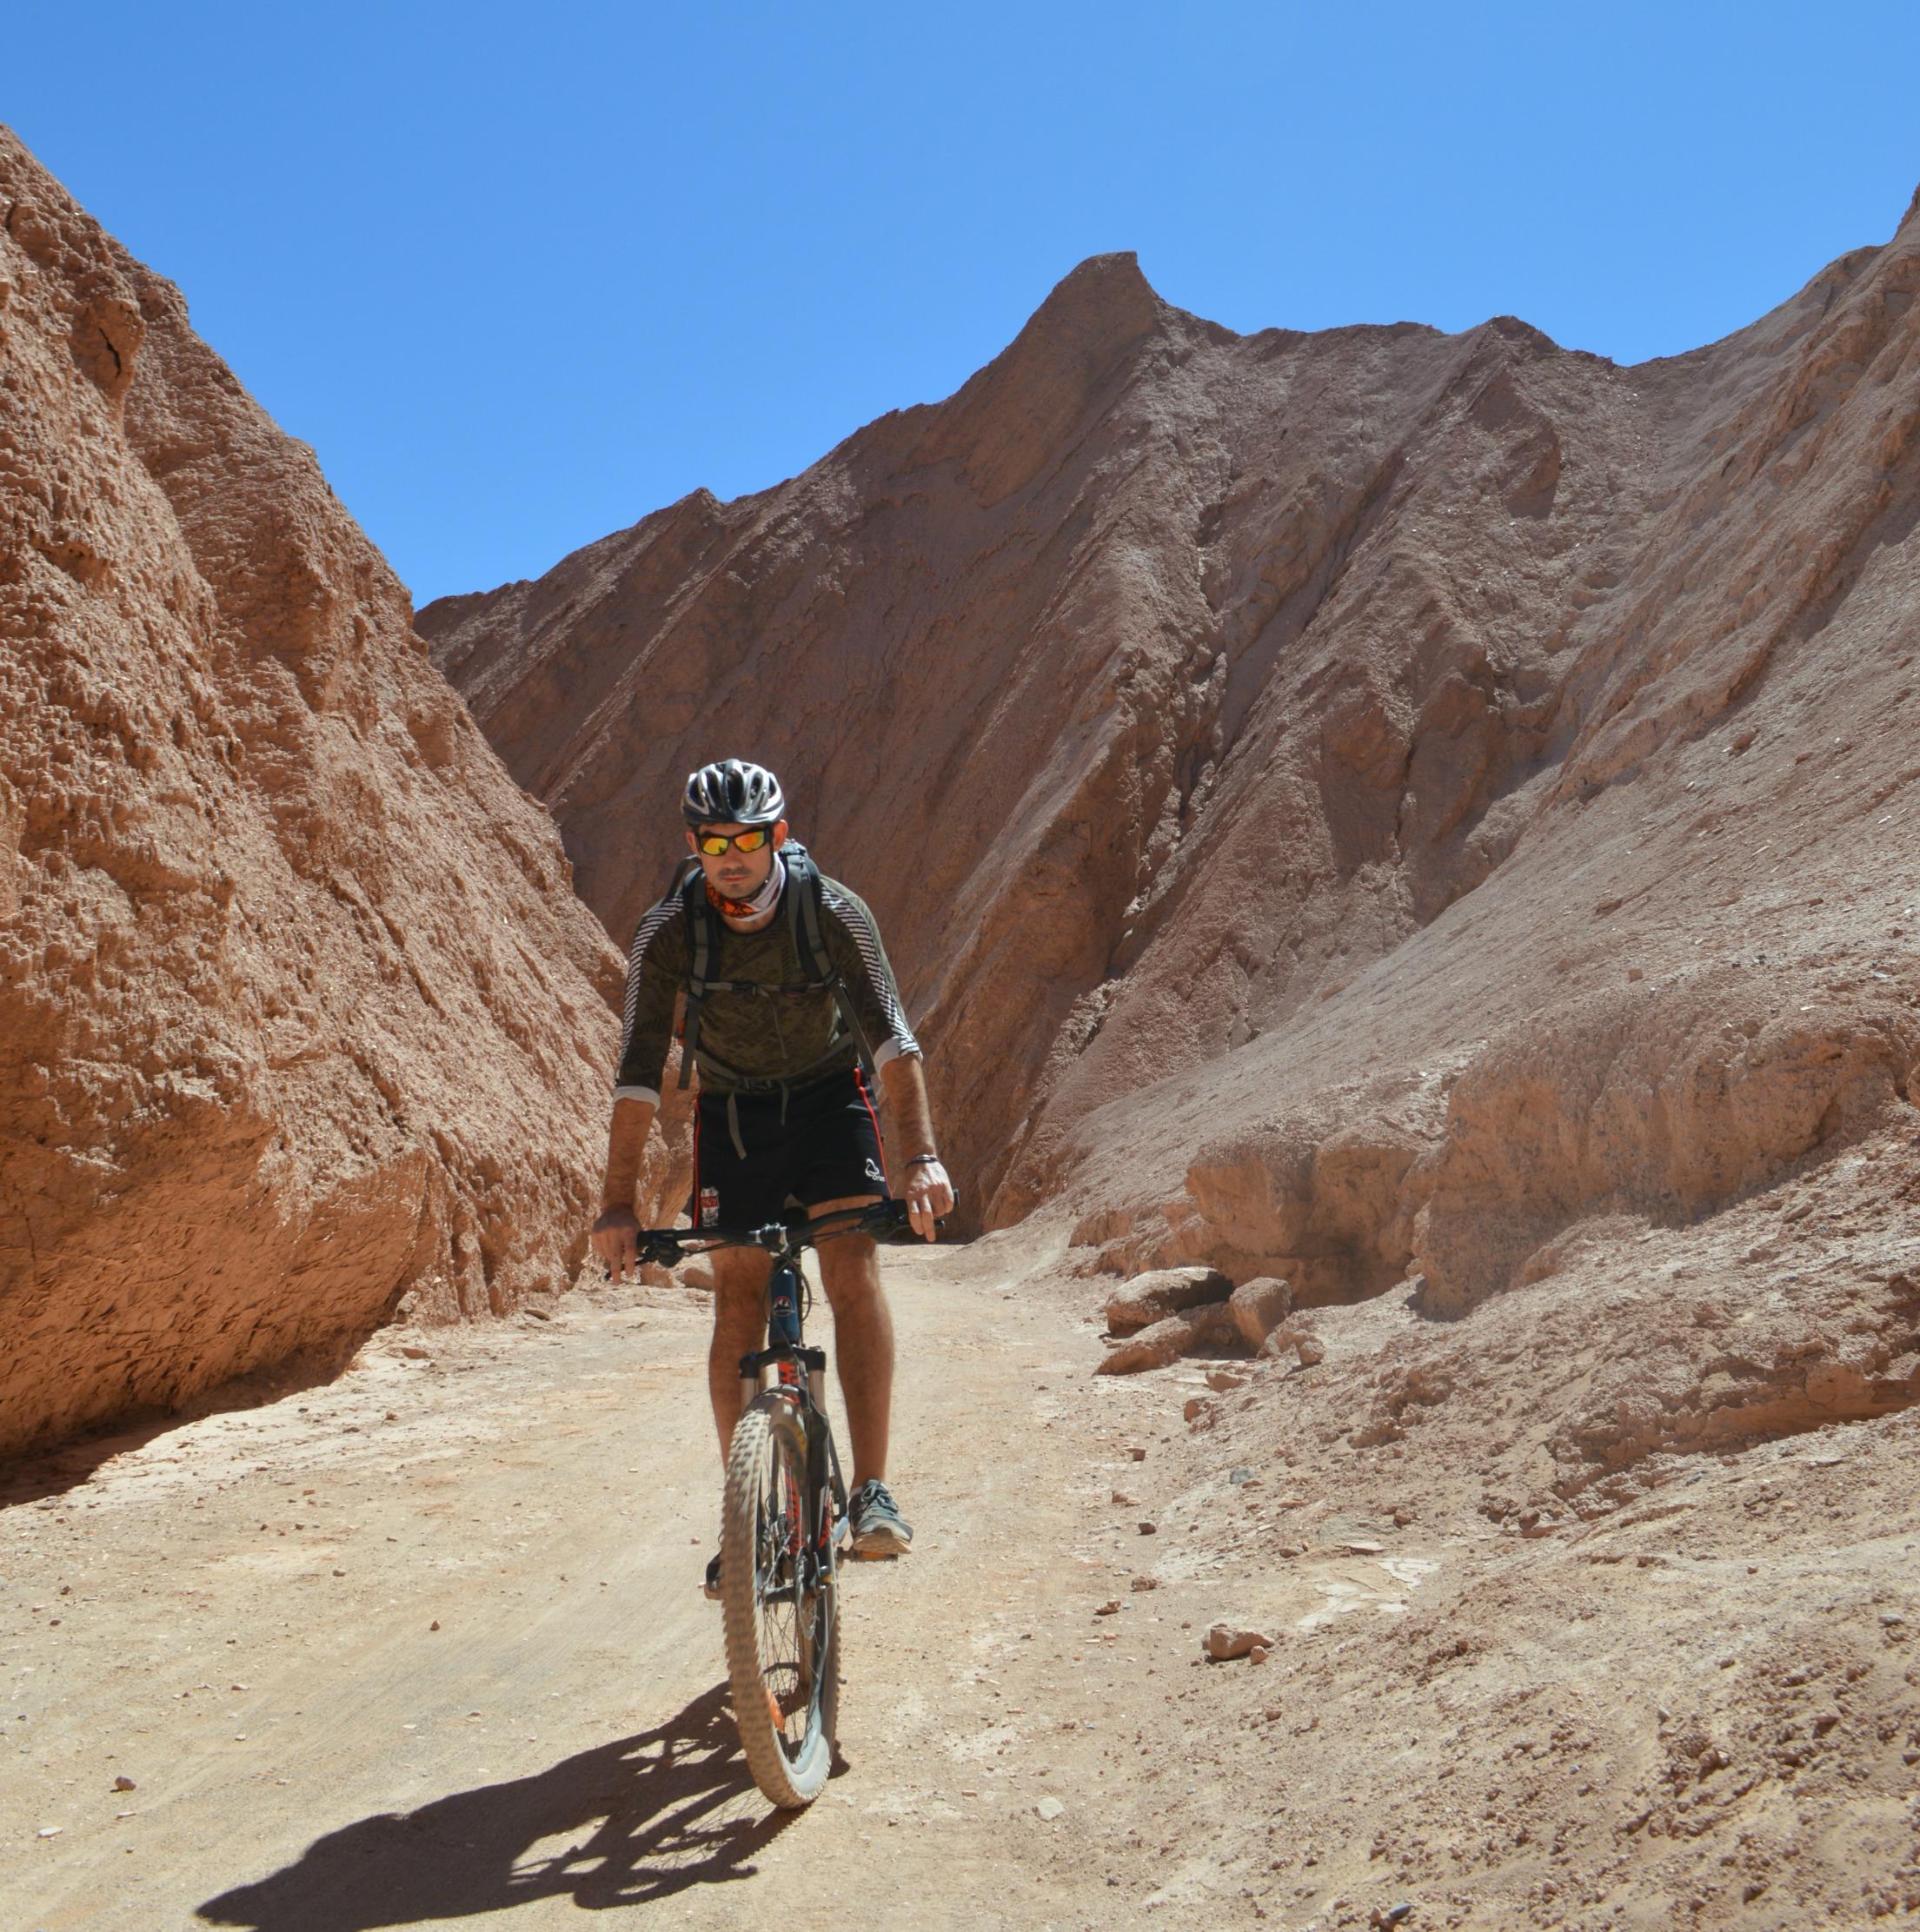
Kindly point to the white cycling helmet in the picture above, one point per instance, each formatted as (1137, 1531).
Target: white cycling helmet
(733, 792)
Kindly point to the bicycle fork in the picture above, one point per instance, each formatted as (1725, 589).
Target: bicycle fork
(783, 1352)
(793, 1365)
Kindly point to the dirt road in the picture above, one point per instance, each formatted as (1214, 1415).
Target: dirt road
(426, 1644)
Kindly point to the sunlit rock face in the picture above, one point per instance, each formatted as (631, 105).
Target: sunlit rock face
(1329, 796)
(300, 1018)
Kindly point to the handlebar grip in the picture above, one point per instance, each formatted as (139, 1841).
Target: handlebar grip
(896, 1231)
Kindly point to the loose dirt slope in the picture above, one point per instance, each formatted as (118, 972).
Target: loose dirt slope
(299, 1017)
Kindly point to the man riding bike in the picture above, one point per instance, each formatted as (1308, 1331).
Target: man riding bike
(786, 1043)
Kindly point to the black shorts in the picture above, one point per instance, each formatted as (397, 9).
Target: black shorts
(827, 1148)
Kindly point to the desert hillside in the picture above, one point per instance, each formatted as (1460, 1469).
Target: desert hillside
(1340, 804)
(300, 1022)
(1423, 827)
(1404, 850)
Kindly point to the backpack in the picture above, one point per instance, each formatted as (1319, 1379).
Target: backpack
(805, 899)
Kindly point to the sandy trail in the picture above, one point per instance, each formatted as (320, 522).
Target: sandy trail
(239, 1615)
(1694, 1703)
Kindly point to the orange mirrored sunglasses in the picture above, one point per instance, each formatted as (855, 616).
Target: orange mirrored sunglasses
(713, 844)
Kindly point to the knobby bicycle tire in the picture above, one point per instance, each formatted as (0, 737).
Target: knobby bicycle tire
(782, 1637)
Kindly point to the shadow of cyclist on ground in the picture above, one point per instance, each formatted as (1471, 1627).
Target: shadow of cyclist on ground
(627, 1822)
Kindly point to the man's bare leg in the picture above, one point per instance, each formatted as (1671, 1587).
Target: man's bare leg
(740, 1328)
(863, 1338)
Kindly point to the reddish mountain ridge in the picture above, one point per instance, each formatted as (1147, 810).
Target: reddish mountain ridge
(300, 1020)
(1432, 819)
(1329, 796)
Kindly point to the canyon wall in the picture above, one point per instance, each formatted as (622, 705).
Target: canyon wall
(1339, 804)
(300, 1018)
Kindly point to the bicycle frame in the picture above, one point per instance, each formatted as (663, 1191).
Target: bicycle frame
(794, 1365)
(785, 1354)
(784, 1502)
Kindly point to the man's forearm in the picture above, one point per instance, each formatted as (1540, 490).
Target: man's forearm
(626, 1145)
(905, 1080)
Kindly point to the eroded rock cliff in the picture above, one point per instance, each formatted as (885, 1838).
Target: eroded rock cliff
(299, 1016)
(1329, 795)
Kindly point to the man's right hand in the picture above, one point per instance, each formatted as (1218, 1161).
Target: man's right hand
(617, 1241)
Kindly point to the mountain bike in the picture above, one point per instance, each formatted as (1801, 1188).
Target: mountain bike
(785, 1501)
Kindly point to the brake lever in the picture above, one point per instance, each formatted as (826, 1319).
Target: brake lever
(662, 1251)
(901, 1232)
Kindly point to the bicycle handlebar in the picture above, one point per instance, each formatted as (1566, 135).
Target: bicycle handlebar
(883, 1220)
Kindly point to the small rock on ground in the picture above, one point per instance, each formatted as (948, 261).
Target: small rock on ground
(1226, 1641)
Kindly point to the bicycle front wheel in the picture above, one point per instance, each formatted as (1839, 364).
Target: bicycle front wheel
(778, 1592)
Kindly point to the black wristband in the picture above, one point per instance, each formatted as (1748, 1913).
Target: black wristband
(923, 1160)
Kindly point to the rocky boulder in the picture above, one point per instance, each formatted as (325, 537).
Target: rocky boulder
(1258, 1306)
(1160, 1292)
(1166, 1341)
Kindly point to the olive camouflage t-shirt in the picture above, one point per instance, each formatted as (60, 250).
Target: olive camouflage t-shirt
(771, 1034)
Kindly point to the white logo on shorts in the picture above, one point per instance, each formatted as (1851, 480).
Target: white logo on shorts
(875, 1172)
(709, 1207)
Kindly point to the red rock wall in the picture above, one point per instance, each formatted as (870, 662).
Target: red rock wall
(300, 1020)
(1242, 738)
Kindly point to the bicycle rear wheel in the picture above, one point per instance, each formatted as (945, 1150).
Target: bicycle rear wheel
(779, 1593)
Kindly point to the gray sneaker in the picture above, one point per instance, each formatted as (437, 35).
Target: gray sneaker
(878, 1528)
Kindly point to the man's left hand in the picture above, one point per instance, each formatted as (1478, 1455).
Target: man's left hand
(929, 1195)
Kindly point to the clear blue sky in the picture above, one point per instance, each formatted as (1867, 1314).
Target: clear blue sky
(522, 275)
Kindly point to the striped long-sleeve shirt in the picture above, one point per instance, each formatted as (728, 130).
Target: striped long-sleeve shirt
(769, 1034)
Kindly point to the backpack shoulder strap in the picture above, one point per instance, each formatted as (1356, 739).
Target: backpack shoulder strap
(807, 897)
(703, 946)
(804, 898)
